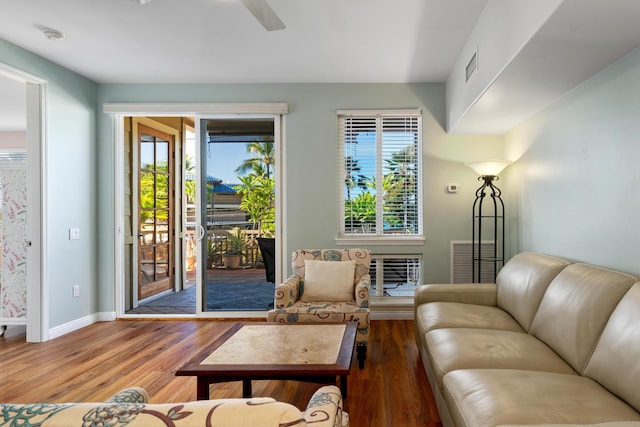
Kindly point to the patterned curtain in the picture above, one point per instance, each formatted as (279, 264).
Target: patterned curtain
(13, 232)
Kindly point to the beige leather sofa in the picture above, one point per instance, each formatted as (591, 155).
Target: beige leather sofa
(551, 342)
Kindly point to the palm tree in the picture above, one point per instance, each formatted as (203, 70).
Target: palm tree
(264, 152)
(352, 179)
(403, 178)
(189, 186)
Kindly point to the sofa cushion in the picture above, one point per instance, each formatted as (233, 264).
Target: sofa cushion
(609, 424)
(492, 397)
(462, 348)
(575, 309)
(616, 360)
(362, 257)
(523, 281)
(436, 315)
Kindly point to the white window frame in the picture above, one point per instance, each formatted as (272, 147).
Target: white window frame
(379, 238)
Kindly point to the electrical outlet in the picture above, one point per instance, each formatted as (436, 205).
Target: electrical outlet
(75, 291)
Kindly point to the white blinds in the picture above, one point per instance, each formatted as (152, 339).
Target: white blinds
(380, 170)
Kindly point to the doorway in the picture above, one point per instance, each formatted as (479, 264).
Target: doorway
(197, 194)
(237, 211)
(155, 212)
(23, 141)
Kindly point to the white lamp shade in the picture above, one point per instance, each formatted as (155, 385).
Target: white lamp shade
(488, 167)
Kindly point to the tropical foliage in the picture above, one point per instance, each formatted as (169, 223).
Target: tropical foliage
(258, 187)
(399, 191)
(154, 193)
(258, 196)
(190, 185)
(263, 160)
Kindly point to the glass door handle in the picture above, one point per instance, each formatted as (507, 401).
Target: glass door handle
(201, 234)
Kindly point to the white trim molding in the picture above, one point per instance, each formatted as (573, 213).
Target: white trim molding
(159, 109)
(80, 323)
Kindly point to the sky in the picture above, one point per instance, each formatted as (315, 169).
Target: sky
(222, 159)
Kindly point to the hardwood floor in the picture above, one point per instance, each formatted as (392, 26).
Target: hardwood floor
(93, 363)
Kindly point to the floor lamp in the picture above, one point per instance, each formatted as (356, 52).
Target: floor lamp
(488, 221)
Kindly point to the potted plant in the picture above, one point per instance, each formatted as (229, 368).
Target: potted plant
(214, 252)
(236, 245)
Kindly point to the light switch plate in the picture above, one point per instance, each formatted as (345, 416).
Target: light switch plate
(74, 234)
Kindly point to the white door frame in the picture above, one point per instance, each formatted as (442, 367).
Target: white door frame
(37, 279)
(198, 110)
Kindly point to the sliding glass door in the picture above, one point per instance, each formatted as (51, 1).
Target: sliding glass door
(236, 213)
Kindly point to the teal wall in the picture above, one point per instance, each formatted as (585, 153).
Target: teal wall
(70, 189)
(576, 186)
(311, 161)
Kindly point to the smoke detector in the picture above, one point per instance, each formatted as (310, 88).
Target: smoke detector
(53, 34)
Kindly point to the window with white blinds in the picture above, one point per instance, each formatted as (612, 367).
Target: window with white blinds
(380, 173)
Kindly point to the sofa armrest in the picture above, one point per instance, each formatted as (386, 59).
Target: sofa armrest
(325, 408)
(469, 293)
(362, 291)
(287, 293)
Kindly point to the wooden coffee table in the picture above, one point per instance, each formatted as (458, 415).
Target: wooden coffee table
(313, 352)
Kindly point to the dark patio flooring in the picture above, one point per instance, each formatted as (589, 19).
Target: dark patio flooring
(227, 290)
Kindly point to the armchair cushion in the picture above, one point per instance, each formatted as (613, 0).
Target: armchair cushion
(328, 281)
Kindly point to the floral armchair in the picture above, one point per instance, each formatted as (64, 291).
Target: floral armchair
(323, 302)
(131, 407)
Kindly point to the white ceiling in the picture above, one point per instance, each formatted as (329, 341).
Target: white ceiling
(211, 41)
(220, 41)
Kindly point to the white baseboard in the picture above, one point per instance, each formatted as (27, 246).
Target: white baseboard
(392, 315)
(391, 308)
(74, 325)
(378, 312)
(107, 316)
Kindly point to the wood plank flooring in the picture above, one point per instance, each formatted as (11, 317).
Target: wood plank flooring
(93, 363)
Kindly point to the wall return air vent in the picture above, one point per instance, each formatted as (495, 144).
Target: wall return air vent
(472, 65)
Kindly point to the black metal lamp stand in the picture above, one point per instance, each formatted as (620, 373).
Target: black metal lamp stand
(487, 216)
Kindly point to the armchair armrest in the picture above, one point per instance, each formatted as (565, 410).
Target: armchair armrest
(469, 293)
(325, 408)
(362, 291)
(287, 293)
(130, 395)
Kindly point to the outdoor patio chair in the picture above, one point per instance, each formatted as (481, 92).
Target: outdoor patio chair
(327, 285)
(267, 247)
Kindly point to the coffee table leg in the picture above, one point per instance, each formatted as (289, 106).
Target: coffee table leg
(343, 386)
(246, 388)
(202, 392)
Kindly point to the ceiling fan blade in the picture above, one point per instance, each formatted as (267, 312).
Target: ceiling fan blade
(263, 13)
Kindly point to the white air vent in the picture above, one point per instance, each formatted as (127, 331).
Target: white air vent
(462, 263)
(472, 66)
